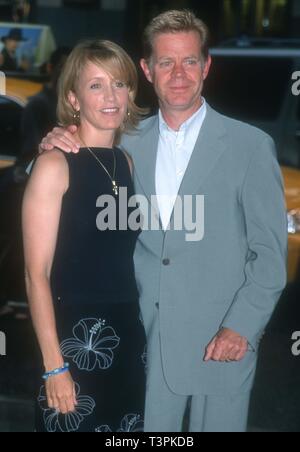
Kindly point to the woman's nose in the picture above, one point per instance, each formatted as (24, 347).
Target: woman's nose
(109, 93)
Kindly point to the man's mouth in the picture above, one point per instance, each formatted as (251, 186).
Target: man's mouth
(179, 88)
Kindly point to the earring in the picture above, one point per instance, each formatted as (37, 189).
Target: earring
(76, 115)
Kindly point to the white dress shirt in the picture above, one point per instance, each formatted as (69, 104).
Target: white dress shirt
(175, 149)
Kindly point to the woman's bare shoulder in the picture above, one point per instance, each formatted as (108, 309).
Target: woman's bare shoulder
(51, 168)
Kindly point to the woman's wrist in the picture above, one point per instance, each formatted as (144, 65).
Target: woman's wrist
(53, 364)
(57, 371)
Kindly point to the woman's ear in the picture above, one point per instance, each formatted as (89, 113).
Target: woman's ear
(74, 101)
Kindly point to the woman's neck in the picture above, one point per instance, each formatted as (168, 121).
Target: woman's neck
(96, 138)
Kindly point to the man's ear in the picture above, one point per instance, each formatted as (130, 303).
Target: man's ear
(207, 67)
(146, 70)
(73, 101)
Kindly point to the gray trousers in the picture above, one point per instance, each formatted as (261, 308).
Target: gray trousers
(165, 410)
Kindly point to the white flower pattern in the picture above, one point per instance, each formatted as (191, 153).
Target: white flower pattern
(56, 422)
(92, 346)
(103, 429)
(131, 423)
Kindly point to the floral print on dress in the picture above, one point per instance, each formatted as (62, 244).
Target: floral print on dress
(56, 422)
(92, 346)
(131, 423)
(103, 429)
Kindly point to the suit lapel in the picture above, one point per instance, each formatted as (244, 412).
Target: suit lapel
(145, 158)
(145, 163)
(209, 147)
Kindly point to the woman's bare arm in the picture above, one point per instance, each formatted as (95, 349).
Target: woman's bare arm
(41, 214)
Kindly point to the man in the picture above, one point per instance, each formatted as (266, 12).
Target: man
(8, 58)
(205, 303)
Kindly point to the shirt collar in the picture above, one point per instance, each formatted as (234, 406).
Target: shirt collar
(187, 125)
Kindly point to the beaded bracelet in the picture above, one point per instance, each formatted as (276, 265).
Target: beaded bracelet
(60, 370)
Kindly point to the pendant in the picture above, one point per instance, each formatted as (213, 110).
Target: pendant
(115, 188)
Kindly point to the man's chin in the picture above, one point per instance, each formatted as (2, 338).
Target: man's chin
(180, 106)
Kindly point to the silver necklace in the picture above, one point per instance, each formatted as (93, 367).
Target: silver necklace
(115, 187)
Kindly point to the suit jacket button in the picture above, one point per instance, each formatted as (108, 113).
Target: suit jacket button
(166, 262)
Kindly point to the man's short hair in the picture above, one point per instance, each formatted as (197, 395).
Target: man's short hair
(176, 21)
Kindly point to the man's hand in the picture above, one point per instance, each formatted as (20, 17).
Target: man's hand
(64, 139)
(227, 346)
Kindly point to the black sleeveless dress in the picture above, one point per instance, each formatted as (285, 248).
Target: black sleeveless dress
(96, 303)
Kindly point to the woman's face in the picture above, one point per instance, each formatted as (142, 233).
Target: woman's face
(102, 100)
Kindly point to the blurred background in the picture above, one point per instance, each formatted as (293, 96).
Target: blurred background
(255, 50)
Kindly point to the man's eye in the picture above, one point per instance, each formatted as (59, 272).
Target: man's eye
(96, 86)
(165, 64)
(191, 62)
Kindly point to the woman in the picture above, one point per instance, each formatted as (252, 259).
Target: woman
(80, 281)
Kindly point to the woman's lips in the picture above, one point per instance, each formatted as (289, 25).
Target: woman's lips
(110, 111)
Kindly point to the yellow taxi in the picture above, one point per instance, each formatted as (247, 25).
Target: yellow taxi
(292, 191)
(17, 92)
(22, 89)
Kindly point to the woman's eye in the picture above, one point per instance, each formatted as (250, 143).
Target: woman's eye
(96, 86)
(119, 84)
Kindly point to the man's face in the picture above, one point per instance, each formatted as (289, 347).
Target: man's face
(177, 70)
(11, 45)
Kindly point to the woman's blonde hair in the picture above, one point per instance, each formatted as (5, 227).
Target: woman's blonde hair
(112, 59)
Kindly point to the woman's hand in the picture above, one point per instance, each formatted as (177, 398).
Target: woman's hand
(61, 393)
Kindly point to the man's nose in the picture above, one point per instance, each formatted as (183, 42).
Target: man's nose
(178, 70)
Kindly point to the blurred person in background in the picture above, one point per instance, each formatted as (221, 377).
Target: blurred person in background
(21, 11)
(39, 116)
(8, 55)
